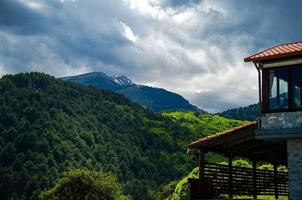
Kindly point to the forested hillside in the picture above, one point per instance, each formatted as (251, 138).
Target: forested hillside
(201, 124)
(48, 125)
(249, 113)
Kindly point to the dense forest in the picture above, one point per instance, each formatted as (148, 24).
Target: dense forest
(248, 113)
(49, 125)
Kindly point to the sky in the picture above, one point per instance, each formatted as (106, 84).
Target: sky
(191, 47)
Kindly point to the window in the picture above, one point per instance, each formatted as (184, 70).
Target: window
(297, 87)
(278, 91)
(282, 89)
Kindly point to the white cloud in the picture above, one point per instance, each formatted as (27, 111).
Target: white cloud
(64, 1)
(128, 33)
(146, 7)
(32, 4)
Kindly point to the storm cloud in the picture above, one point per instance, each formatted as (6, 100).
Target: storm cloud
(194, 47)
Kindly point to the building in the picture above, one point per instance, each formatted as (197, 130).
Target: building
(276, 137)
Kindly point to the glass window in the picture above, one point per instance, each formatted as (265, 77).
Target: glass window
(296, 86)
(278, 89)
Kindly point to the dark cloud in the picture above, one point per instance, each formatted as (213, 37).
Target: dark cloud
(270, 22)
(193, 47)
(19, 19)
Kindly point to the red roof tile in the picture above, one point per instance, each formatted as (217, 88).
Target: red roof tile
(217, 135)
(280, 51)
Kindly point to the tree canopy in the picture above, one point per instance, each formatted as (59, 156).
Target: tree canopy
(79, 184)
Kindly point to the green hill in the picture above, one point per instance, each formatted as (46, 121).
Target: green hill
(201, 124)
(248, 113)
(48, 125)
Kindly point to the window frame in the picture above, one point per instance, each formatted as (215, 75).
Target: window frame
(266, 92)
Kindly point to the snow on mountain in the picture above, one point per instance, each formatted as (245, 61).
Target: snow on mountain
(122, 80)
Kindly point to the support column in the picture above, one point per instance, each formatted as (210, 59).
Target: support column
(230, 177)
(294, 154)
(201, 164)
(254, 180)
(201, 168)
(276, 181)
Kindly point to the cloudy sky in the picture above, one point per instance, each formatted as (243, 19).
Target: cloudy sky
(192, 47)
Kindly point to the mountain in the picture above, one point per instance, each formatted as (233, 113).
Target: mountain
(48, 125)
(248, 113)
(156, 99)
(101, 80)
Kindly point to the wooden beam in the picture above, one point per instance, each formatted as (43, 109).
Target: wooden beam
(254, 180)
(244, 134)
(282, 159)
(261, 147)
(267, 150)
(230, 177)
(236, 142)
(276, 181)
(201, 164)
(279, 63)
(249, 146)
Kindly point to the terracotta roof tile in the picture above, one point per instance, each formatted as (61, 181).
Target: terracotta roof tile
(279, 51)
(227, 132)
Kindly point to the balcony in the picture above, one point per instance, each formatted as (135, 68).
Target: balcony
(281, 125)
(222, 180)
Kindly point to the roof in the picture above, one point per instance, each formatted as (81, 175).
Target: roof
(279, 51)
(229, 132)
(241, 141)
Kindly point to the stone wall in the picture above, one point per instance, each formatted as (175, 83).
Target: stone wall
(294, 151)
(281, 120)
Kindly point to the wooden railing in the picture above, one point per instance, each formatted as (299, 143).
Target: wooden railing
(242, 181)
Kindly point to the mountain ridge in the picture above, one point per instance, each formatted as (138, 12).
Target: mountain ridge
(246, 113)
(102, 80)
(156, 99)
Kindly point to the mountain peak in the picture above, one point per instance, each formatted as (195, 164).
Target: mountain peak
(156, 99)
(122, 80)
(102, 80)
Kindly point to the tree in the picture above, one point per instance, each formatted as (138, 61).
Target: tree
(81, 184)
(166, 191)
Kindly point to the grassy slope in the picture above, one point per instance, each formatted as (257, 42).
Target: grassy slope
(201, 124)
